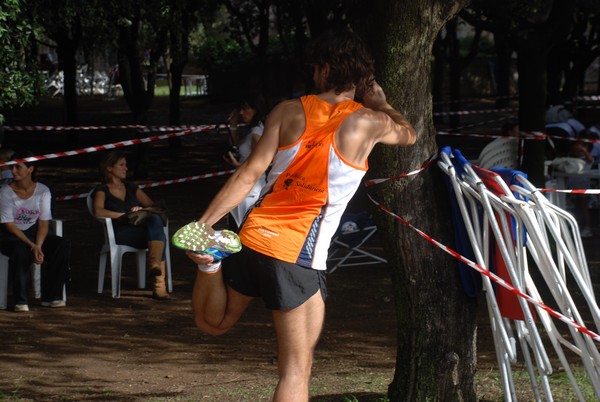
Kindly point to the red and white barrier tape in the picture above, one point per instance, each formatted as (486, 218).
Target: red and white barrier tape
(172, 128)
(490, 275)
(139, 127)
(373, 182)
(574, 139)
(72, 128)
(571, 191)
(480, 123)
(468, 112)
(592, 98)
(533, 135)
(588, 106)
(466, 100)
(109, 146)
(588, 98)
(157, 183)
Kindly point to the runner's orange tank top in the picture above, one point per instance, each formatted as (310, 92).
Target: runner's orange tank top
(308, 189)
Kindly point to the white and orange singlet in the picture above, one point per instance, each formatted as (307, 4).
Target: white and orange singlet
(308, 189)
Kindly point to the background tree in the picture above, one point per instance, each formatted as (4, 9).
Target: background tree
(142, 40)
(491, 16)
(448, 49)
(436, 321)
(569, 59)
(182, 16)
(20, 81)
(251, 26)
(532, 29)
(62, 21)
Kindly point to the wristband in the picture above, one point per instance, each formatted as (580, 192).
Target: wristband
(210, 269)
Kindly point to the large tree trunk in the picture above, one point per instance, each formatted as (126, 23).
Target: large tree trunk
(436, 320)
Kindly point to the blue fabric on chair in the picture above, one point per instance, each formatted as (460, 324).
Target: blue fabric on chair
(470, 279)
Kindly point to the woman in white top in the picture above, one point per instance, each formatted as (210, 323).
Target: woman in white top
(25, 212)
(252, 112)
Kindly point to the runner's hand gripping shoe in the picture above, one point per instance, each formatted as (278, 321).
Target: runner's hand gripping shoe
(203, 239)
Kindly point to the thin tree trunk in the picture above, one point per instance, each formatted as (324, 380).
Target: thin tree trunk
(502, 73)
(532, 105)
(176, 71)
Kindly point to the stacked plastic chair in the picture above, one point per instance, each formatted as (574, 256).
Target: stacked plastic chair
(506, 223)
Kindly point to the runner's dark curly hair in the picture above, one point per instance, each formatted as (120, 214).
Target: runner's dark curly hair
(350, 62)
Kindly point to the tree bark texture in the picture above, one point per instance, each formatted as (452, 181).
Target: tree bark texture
(436, 320)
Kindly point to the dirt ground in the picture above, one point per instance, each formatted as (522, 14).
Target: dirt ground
(138, 349)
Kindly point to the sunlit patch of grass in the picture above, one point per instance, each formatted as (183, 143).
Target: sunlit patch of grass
(352, 388)
(489, 387)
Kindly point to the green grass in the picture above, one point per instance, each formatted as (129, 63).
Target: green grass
(489, 387)
(162, 89)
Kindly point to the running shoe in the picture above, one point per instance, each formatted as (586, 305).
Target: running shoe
(203, 239)
(21, 308)
(54, 303)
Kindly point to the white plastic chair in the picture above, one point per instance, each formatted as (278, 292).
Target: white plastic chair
(554, 245)
(56, 227)
(110, 249)
(502, 152)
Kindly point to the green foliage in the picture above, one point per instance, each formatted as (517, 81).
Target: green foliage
(20, 81)
(220, 53)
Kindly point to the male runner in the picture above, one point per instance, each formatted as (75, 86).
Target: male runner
(319, 146)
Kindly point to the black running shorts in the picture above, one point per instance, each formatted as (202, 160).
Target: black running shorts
(281, 285)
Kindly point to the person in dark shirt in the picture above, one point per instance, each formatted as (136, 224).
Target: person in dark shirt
(113, 199)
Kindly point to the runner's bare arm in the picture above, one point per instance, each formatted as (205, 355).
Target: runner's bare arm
(390, 127)
(243, 179)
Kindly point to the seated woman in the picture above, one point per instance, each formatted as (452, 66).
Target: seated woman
(113, 199)
(25, 210)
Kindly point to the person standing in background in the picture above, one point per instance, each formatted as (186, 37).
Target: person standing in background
(252, 111)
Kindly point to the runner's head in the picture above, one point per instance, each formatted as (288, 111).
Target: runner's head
(347, 59)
